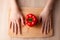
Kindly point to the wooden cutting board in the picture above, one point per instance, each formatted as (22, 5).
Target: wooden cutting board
(31, 31)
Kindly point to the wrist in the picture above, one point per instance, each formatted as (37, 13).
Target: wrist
(14, 4)
(49, 5)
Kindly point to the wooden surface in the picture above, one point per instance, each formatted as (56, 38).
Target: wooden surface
(4, 26)
(35, 31)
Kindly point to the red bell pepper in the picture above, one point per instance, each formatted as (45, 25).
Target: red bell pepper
(31, 20)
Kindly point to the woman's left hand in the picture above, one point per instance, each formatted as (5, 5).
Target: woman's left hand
(46, 21)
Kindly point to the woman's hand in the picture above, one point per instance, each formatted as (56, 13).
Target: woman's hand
(46, 21)
(46, 17)
(16, 19)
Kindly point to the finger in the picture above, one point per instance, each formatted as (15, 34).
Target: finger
(40, 18)
(16, 28)
(10, 25)
(43, 26)
(22, 21)
(46, 29)
(19, 26)
(46, 26)
(13, 27)
(49, 24)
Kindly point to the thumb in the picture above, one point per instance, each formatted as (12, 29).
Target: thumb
(22, 21)
(40, 18)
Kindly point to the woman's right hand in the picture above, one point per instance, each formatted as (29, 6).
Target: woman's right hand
(16, 21)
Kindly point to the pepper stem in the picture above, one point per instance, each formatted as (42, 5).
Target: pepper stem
(30, 19)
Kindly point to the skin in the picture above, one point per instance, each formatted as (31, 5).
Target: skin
(46, 17)
(17, 20)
